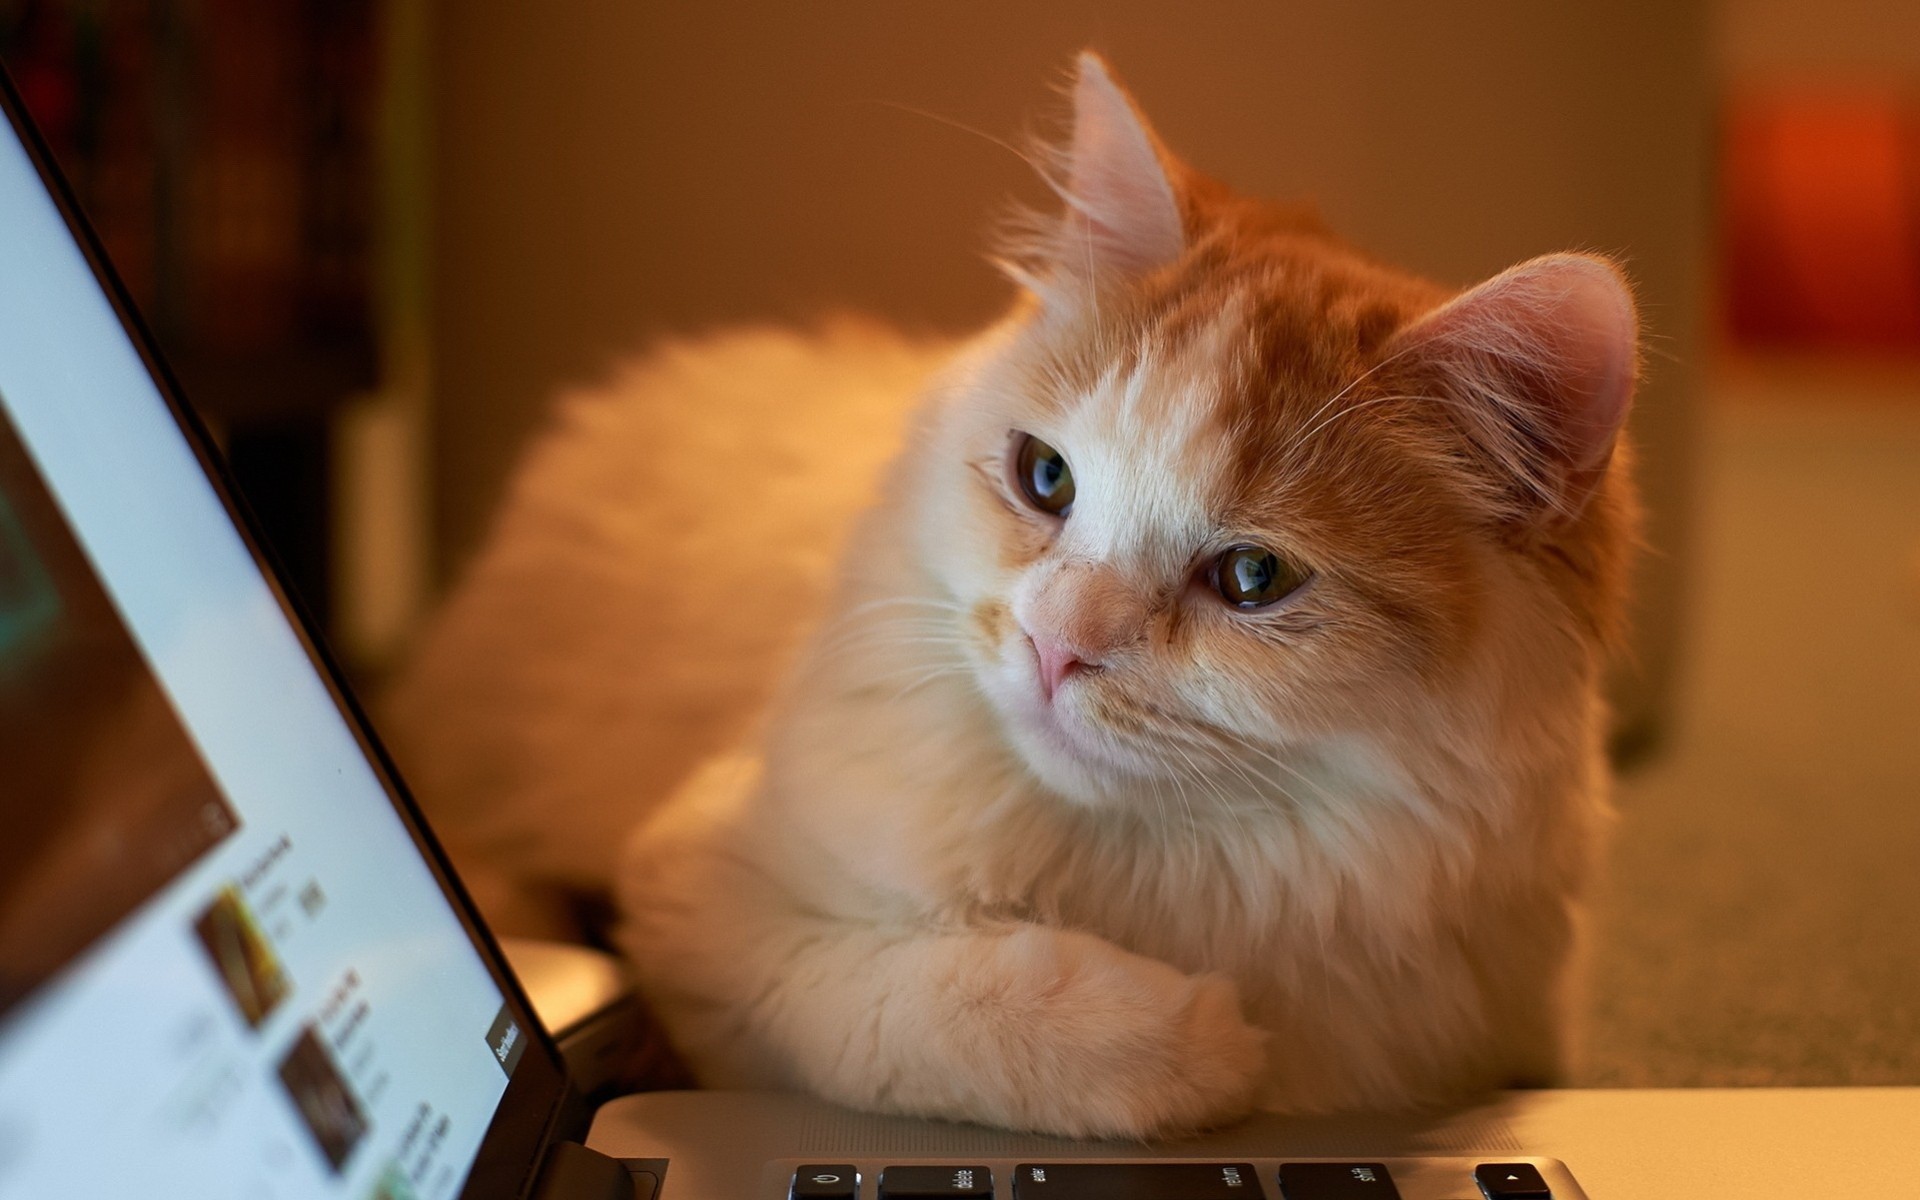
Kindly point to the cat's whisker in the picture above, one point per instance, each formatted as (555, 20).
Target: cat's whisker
(881, 624)
(1160, 823)
(1163, 826)
(1173, 777)
(915, 624)
(1264, 783)
(898, 601)
(1180, 734)
(1303, 438)
(956, 660)
(1226, 804)
(923, 633)
(1219, 795)
(926, 630)
(922, 662)
(923, 680)
(846, 628)
(1039, 168)
(1342, 393)
(1167, 826)
(1313, 785)
(920, 647)
(1527, 461)
(1177, 775)
(1257, 783)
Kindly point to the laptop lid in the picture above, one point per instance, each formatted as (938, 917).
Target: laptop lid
(232, 961)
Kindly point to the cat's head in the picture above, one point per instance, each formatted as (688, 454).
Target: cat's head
(1223, 490)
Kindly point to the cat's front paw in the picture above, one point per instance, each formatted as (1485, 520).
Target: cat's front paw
(1085, 1039)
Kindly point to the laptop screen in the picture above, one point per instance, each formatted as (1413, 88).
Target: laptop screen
(225, 966)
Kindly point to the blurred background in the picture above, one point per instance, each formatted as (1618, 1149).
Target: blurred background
(375, 236)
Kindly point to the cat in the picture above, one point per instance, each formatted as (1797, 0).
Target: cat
(1206, 714)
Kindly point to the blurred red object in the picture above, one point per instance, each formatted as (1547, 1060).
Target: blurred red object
(1820, 220)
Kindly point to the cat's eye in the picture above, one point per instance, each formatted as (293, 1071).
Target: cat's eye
(1254, 577)
(1043, 475)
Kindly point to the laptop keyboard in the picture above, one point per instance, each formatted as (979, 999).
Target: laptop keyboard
(1424, 1179)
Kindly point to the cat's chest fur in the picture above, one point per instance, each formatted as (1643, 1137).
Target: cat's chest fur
(1356, 927)
(929, 816)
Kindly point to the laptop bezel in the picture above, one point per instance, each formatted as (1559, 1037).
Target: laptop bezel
(539, 1105)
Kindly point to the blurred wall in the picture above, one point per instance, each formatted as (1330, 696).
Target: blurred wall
(607, 169)
(1862, 41)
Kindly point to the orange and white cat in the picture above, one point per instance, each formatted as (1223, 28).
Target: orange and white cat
(1208, 714)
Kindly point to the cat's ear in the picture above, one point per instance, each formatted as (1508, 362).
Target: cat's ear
(1122, 216)
(1537, 365)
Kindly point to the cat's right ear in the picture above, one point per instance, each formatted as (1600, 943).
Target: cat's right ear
(1537, 367)
(1122, 214)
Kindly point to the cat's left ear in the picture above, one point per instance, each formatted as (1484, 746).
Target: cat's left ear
(1122, 215)
(1537, 366)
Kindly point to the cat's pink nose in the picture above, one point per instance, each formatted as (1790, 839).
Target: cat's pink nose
(1056, 661)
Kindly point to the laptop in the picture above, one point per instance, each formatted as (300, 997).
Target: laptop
(233, 961)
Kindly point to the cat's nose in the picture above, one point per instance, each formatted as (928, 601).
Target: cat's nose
(1056, 661)
(1077, 616)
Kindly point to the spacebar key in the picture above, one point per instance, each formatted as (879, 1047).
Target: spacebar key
(1135, 1181)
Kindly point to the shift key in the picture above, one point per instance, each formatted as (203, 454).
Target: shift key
(1135, 1181)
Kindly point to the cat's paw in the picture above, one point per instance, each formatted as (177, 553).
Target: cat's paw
(1081, 1038)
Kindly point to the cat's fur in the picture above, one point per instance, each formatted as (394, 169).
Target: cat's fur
(1325, 855)
(606, 639)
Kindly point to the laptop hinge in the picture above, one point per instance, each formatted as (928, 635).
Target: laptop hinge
(573, 1172)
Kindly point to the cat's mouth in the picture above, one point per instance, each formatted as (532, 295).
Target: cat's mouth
(1050, 705)
(1050, 713)
(1065, 750)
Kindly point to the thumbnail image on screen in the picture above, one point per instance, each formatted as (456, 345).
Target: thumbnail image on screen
(107, 799)
(323, 1097)
(242, 956)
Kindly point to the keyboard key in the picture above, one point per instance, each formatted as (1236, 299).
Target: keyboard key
(833, 1181)
(1135, 1181)
(1337, 1181)
(1511, 1181)
(936, 1183)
